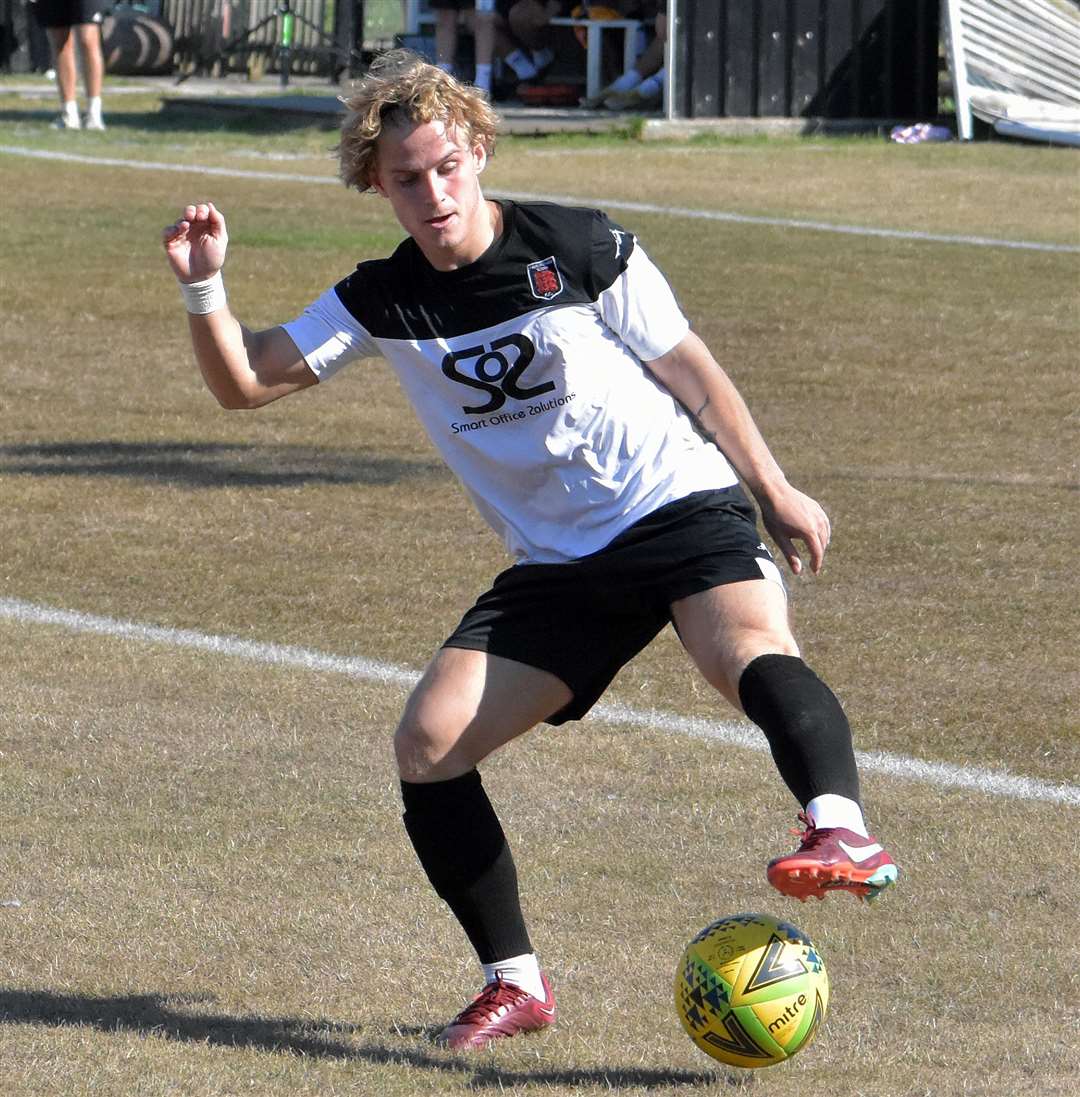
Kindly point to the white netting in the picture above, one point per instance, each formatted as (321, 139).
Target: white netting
(1016, 61)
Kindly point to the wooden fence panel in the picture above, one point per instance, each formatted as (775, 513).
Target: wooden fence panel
(223, 36)
(807, 58)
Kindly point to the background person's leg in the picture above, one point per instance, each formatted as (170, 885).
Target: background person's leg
(62, 41)
(484, 43)
(446, 37)
(530, 27)
(89, 35)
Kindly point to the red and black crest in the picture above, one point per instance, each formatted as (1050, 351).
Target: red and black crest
(545, 281)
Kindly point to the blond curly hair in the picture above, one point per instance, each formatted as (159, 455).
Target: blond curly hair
(400, 87)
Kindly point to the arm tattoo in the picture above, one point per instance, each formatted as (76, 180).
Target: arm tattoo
(702, 428)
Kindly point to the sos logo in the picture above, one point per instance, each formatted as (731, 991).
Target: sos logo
(495, 370)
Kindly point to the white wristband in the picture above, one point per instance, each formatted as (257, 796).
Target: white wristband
(206, 296)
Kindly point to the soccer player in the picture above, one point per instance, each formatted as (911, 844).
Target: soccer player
(547, 358)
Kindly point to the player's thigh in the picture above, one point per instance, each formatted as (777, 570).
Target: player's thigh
(467, 705)
(725, 628)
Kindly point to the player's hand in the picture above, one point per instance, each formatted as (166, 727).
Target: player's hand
(195, 245)
(791, 516)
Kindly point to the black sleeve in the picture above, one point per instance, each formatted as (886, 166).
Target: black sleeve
(611, 249)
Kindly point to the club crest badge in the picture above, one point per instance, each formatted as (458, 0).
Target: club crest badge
(545, 281)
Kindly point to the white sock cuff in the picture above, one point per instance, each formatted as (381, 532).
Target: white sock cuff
(830, 810)
(523, 971)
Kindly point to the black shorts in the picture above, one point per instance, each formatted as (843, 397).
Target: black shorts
(584, 620)
(67, 13)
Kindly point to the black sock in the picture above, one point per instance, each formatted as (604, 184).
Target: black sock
(807, 730)
(462, 848)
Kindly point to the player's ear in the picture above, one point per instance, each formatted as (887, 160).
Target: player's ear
(480, 156)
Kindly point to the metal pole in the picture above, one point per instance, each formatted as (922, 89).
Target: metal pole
(670, 54)
(288, 26)
(954, 40)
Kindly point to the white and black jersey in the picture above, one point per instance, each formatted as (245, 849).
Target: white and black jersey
(525, 368)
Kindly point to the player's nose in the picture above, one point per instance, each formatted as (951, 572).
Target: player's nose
(434, 189)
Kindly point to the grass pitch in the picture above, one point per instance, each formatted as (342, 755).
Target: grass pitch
(215, 894)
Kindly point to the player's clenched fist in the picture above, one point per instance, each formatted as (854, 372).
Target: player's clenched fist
(196, 243)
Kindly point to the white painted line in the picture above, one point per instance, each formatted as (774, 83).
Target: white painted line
(253, 650)
(158, 165)
(992, 782)
(568, 199)
(996, 783)
(791, 223)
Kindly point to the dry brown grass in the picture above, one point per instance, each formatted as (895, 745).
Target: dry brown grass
(216, 895)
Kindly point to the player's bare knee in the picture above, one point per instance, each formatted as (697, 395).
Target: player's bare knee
(419, 734)
(426, 736)
(418, 748)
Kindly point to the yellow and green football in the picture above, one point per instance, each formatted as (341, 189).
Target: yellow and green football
(751, 990)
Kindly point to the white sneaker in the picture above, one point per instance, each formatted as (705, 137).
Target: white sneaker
(635, 99)
(66, 122)
(93, 122)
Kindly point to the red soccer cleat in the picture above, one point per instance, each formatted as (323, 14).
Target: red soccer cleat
(832, 859)
(500, 1009)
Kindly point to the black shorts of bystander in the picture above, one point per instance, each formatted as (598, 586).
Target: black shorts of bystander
(67, 13)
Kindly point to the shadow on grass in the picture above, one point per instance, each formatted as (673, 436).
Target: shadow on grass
(212, 464)
(157, 1014)
(193, 117)
(163, 1016)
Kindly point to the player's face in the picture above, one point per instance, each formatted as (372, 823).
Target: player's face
(431, 178)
